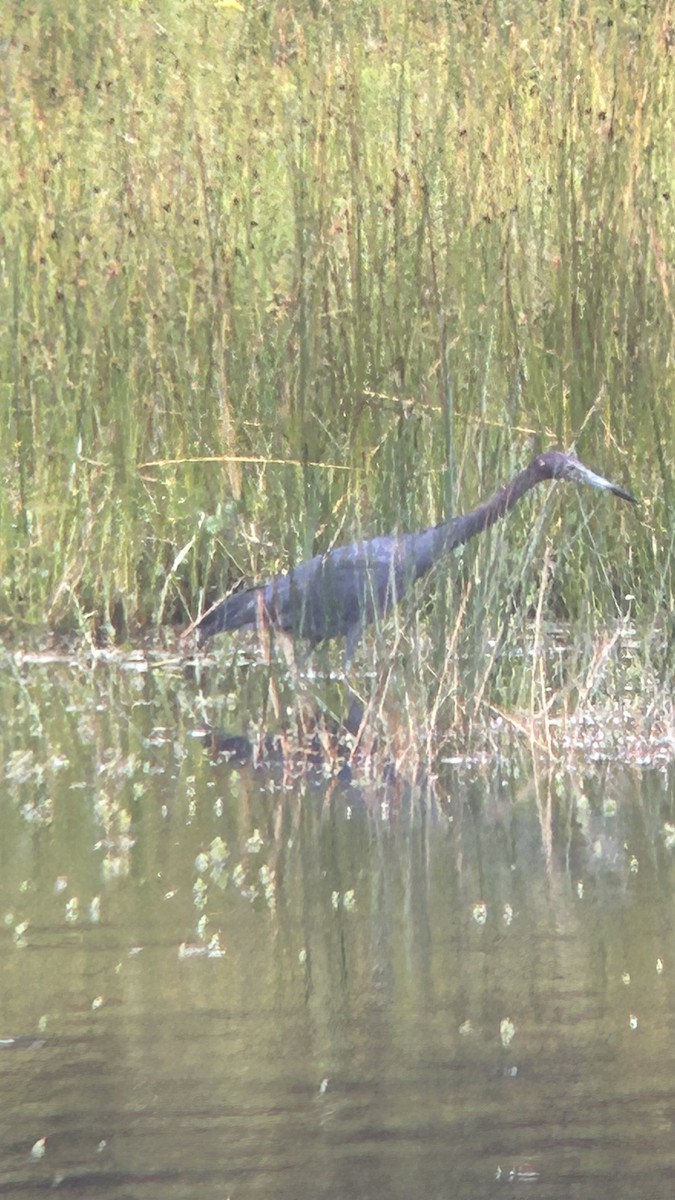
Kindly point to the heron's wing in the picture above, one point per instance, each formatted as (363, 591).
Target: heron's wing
(331, 594)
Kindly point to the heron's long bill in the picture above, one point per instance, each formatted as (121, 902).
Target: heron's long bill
(605, 485)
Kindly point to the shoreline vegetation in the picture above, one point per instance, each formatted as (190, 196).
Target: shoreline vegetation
(249, 714)
(274, 279)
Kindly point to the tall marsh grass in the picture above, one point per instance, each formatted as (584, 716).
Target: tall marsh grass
(275, 278)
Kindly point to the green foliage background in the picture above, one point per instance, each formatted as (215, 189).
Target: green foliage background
(273, 278)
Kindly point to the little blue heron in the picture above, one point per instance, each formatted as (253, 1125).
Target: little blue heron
(341, 591)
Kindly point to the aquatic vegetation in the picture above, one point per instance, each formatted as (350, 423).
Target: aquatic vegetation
(270, 285)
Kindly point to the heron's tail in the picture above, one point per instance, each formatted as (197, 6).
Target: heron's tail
(237, 611)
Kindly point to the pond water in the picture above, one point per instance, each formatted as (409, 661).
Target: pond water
(223, 982)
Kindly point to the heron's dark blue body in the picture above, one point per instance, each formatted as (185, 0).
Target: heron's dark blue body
(331, 595)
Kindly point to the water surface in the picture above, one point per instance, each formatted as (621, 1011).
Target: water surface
(221, 981)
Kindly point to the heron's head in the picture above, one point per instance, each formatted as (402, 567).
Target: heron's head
(553, 464)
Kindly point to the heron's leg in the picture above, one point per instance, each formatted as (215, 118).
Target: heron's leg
(288, 651)
(304, 704)
(302, 655)
(355, 713)
(263, 627)
(353, 635)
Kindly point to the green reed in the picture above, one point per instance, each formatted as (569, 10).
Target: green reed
(276, 278)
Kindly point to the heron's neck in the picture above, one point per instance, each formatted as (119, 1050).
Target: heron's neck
(427, 547)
